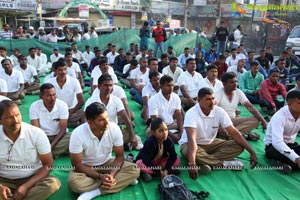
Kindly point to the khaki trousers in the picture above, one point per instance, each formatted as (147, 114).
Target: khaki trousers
(76, 119)
(245, 124)
(185, 103)
(215, 153)
(14, 96)
(40, 191)
(80, 182)
(32, 88)
(62, 146)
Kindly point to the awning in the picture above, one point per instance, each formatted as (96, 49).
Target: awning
(65, 19)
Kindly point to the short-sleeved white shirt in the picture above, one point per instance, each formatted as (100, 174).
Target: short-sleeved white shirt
(175, 75)
(27, 73)
(24, 154)
(96, 73)
(206, 83)
(2, 98)
(191, 83)
(237, 73)
(113, 106)
(117, 91)
(54, 58)
(230, 107)
(139, 77)
(43, 58)
(75, 67)
(95, 152)
(49, 121)
(36, 62)
(163, 108)
(148, 91)
(111, 57)
(3, 85)
(13, 81)
(206, 126)
(68, 93)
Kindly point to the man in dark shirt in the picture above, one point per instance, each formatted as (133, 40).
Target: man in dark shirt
(106, 51)
(117, 63)
(221, 35)
(95, 61)
(163, 63)
(263, 60)
(269, 55)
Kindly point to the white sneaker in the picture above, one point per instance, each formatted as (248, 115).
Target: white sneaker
(234, 165)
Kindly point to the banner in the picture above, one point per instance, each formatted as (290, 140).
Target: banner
(83, 11)
(7, 4)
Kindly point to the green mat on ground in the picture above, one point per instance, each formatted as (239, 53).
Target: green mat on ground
(260, 183)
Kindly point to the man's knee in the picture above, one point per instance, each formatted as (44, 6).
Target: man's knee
(54, 184)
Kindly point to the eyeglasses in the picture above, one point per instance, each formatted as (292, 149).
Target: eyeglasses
(9, 153)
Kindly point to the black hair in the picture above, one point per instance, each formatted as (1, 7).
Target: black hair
(2, 48)
(152, 59)
(163, 55)
(152, 74)
(155, 123)
(254, 63)
(189, 60)
(211, 66)
(233, 49)
(221, 57)
(104, 77)
(59, 63)
(273, 71)
(173, 58)
(227, 76)
(45, 86)
(165, 79)
(21, 56)
(5, 105)
(204, 91)
(93, 110)
(294, 94)
(68, 54)
(134, 62)
(5, 59)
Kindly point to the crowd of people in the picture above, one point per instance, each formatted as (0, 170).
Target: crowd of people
(192, 100)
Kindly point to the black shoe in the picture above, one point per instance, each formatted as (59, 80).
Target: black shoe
(146, 177)
(174, 171)
(283, 168)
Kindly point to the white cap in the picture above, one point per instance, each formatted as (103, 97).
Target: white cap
(31, 28)
(41, 28)
(60, 28)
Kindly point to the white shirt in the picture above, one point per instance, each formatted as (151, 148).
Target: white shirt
(43, 59)
(237, 73)
(230, 61)
(113, 106)
(182, 59)
(167, 71)
(138, 57)
(3, 85)
(282, 130)
(54, 58)
(86, 36)
(237, 37)
(2, 98)
(51, 38)
(24, 152)
(96, 73)
(75, 67)
(35, 62)
(79, 56)
(93, 34)
(88, 56)
(49, 121)
(148, 91)
(206, 126)
(191, 83)
(14, 60)
(206, 83)
(139, 77)
(163, 108)
(27, 73)
(111, 57)
(68, 93)
(13, 81)
(117, 91)
(238, 97)
(95, 152)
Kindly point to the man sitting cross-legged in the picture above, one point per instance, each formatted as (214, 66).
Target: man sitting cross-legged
(281, 134)
(91, 145)
(199, 144)
(51, 115)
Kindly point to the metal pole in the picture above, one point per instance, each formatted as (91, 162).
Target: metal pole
(185, 12)
(218, 21)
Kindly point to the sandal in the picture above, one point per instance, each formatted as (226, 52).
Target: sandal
(252, 136)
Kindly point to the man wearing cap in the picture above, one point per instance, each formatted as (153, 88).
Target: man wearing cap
(60, 35)
(31, 32)
(41, 35)
(52, 37)
(56, 55)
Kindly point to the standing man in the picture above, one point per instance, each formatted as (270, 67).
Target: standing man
(238, 35)
(160, 36)
(24, 147)
(96, 171)
(199, 144)
(6, 33)
(51, 115)
(221, 35)
(282, 130)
